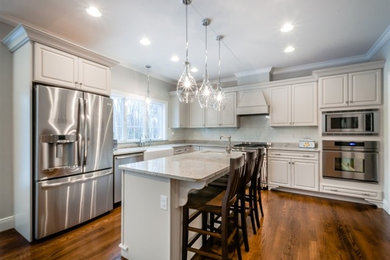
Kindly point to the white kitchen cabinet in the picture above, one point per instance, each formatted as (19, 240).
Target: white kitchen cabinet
(280, 106)
(196, 115)
(178, 112)
(294, 105)
(94, 77)
(224, 118)
(60, 68)
(209, 117)
(351, 89)
(365, 88)
(293, 169)
(279, 171)
(212, 117)
(54, 66)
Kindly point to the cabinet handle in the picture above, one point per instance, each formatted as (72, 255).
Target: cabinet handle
(292, 162)
(351, 101)
(306, 155)
(81, 83)
(277, 154)
(366, 194)
(334, 190)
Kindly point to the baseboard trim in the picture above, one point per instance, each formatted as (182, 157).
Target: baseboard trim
(386, 206)
(7, 223)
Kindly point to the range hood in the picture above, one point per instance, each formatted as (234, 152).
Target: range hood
(251, 102)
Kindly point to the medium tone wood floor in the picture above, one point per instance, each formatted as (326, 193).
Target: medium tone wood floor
(294, 227)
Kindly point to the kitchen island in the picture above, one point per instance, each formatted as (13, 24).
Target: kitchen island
(154, 192)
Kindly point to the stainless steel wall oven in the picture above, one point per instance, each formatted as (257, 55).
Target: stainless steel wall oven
(350, 160)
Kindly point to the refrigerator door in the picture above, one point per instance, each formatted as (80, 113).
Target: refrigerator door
(98, 133)
(58, 118)
(65, 202)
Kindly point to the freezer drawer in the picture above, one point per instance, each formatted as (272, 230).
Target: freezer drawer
(65, 202)
(119, 160)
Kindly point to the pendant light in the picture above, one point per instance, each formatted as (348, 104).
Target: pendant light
(219, 95)
(206, 91)
(147, 100)
(186, 86)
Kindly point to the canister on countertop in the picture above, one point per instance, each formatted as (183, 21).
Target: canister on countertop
(307, 143)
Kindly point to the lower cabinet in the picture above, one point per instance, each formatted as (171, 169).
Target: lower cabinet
(293, 169)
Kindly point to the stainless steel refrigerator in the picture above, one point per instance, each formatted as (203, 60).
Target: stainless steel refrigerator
(72, 158)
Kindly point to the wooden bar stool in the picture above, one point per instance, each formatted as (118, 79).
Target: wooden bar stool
(214, 201)
(243, 210)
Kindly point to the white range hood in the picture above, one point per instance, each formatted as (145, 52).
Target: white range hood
(251, 102)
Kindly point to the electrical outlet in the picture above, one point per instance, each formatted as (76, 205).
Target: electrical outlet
(163, 202)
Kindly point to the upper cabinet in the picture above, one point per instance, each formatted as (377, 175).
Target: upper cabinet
(178, 112)
(294, 105)
(351, 89)
(183, 115)
(224, 118)
(196, 115)
(57, 67)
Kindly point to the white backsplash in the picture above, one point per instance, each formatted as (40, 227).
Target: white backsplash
(252, 128)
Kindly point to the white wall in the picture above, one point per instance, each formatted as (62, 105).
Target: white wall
(385, 54)
(254, 129)
(6, 192)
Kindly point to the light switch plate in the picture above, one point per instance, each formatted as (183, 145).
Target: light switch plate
(163, 202)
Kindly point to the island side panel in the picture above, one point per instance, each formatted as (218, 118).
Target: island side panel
(145, 226)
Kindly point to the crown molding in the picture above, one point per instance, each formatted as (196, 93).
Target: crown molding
(379, 43)
(253, 72)
(349, 68)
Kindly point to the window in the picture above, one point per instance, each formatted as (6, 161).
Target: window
(134, 119)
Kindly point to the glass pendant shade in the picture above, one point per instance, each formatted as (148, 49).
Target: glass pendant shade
(206, 91)
(205, 94)
(219, 96)
(219, 99)
(186, 86)
(147, 99)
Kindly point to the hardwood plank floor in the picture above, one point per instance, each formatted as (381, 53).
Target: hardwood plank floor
(294, 227)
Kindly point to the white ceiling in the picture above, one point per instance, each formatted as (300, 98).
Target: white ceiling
(324, 30)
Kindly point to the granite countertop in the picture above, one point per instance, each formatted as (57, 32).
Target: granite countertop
(195, 167)
(292, 147)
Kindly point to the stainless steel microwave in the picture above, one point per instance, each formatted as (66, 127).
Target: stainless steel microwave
(358, 122)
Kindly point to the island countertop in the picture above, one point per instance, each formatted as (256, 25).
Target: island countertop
(194, 167)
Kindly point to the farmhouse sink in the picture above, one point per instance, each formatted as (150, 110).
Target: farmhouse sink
(157, 152)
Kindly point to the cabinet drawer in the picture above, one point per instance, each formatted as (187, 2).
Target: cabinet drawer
(351, 192)
(294, 155)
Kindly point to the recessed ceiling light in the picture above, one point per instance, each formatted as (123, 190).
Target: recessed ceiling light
(93, 11)
(287, 27)
(174, 58)
(145, 41)
(289, 49)
(194, 69)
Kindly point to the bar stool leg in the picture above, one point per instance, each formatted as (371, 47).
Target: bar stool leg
(237, 239)
(243, 223)
(184, 233)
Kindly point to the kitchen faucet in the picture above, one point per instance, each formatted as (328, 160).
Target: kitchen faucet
(229, 147)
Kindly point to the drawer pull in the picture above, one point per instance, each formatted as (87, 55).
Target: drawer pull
(306, 155)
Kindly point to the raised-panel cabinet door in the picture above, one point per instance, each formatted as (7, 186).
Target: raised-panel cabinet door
(212, 117)
(196, 115)
(305, 175)
(178, 113)
(228, 115)
(54, 66)
(334, 91)
(279, 172)
(365, 88)
(304, 104)
(94, 77)
(280, 106)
